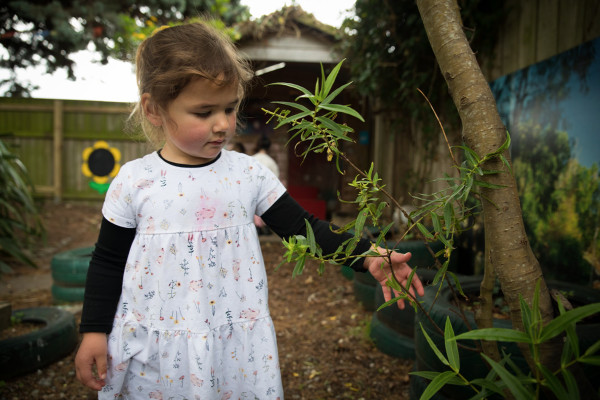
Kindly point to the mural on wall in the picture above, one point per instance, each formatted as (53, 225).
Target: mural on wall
(551, 111)
(101, 163)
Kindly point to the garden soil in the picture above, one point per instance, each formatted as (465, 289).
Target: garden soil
(324, 346)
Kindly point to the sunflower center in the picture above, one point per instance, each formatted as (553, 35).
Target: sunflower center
(101, 162)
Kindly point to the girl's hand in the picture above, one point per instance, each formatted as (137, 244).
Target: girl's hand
(379, 267)
(93, 351)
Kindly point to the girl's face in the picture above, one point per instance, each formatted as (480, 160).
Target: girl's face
(199, 122)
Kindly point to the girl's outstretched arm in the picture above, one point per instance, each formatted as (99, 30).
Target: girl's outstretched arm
(286, 218)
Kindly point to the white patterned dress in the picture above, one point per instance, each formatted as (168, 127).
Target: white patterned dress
(193, 319)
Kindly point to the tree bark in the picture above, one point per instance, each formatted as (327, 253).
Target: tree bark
(507, 249)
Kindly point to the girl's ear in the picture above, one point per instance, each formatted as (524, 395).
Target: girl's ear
(151, 110)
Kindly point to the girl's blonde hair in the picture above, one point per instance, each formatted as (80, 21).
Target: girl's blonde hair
(169, 59)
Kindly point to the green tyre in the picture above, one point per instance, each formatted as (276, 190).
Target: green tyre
(70, 267)
(71, 294)
(390, 342)
(27, 353)
(364, 289)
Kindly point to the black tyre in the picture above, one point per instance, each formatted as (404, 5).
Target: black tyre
(69, 268)
(29, 352)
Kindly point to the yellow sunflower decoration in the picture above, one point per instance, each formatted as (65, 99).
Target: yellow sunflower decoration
(100, 162)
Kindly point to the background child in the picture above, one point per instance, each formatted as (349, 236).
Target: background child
(176, 301)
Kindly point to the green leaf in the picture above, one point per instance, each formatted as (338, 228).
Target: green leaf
(571, 384)
(514, 385)
(433, 347)
(293, 86)
(293, 105)
(436, 384)
(293, 118)
(333, 95)
(342, 109)
(310, 237)
(448, 216)
(559, 324)
(553, 383)
(451, 346)
(331, 78)
(498, 334)
(424, 231)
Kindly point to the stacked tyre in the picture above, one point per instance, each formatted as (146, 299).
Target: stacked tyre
(69, 271)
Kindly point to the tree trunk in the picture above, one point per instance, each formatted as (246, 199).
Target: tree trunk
(506, 246)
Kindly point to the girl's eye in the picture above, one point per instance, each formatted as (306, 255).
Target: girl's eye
(203, 114)
(229, 110)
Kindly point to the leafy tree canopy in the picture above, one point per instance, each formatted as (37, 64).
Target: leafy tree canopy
(390, 56)
(47, 32)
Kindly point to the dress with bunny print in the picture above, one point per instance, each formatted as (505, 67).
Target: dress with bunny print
(193, 320)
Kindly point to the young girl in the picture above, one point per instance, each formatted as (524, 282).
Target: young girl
(176, 296)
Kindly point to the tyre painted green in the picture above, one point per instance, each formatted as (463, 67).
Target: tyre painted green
(70, 267)
(347, 272)
(34, 350)
(364, 289)
(389, 342)
(71, 294)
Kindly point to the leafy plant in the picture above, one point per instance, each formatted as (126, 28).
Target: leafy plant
(506, 375)
(449, 211)
(20, 223)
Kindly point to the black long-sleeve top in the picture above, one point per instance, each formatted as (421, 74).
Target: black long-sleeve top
(105, 274)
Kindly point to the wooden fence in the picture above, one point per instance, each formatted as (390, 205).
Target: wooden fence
(49, 136)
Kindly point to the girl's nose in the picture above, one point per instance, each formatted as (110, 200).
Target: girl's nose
(221, 123)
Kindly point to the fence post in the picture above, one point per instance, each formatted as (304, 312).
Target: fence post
(57, 139)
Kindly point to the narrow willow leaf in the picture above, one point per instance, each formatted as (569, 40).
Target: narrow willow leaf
(558, 324)
(593, 360)
(437, 352)
(451, 346)
(571, 347)
(436, 384)
(571, 383)
(431, 375)
(498, 334)
(526, 316)
(328, 83)
(293, 105)
(424, 231)
(343, 109)
(592, 349)
(334, 94)
(437, 226)
(553, 383)
(448, 216)
(512, 383)
(293, 118)
(293, 86)
(310, 237)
